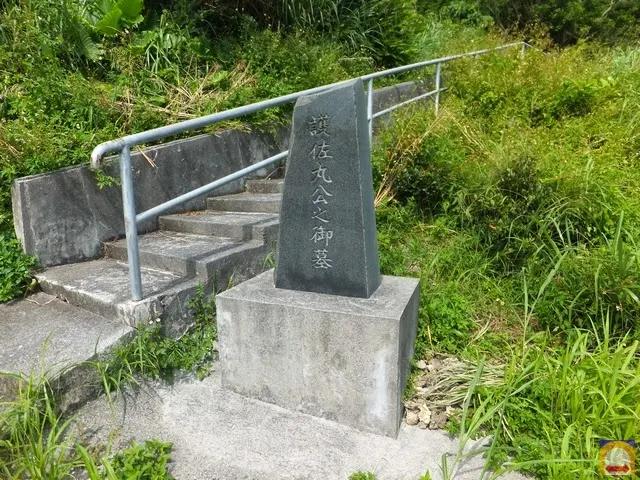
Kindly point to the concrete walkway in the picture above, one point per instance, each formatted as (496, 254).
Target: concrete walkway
(217, 434)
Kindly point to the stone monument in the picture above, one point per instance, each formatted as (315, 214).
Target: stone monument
(328, 228)
(325, 334)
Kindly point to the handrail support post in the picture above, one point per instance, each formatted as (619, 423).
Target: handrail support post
(437, 99)
(370, 108)
(130, 224)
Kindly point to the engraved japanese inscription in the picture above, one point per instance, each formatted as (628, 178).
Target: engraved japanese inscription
(327, 227)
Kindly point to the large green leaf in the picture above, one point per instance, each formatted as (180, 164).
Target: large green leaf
(81, 40)
(109, 24)
(131, 10)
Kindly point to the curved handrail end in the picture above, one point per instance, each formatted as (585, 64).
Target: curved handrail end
(101, 150)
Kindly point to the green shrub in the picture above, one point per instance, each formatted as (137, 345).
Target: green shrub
(150, 354)
(15, 268)
(382, 29)
(143, 462)
(567, 22)
(591, 284)
(363, 476)
(429, 177)
(446, 320)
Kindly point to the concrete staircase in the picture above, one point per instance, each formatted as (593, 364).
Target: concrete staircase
(228, 243)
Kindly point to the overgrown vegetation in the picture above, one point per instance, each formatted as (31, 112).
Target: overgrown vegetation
(152, 355)
(566, 22)
(79, 72)
(38, 442)
(517, 208)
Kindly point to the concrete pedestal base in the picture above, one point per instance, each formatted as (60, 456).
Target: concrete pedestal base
(342, 358)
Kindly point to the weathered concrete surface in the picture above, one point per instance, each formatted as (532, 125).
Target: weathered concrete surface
(207, 258)
(246, 202)
(42, 334)
(63, 217)
(102, 287)
(341, 358)
(241, 225)
(219, 435)
(176, 251)
(265, 186)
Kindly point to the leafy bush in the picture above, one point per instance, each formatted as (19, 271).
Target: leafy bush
(448, 315)
(483, 197)
(363, 476)
(15, 268)
(143, 462)
(567, 21)
(153, 355)
(382, 29)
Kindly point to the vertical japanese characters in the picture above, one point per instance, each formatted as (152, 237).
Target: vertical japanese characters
(321, 197)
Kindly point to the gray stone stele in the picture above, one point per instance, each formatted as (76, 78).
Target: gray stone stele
(327, 241)
(341, 358)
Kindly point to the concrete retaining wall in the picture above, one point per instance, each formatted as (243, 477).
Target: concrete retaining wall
(63, 217)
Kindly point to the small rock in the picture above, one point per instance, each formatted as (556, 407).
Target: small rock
(449, 410)
(412, 404)
(438, 420)
(424, 415)
(423, 426)
(435, 363)
(421, 364)
(412, 417)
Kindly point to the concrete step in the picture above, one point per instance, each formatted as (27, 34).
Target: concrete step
(43, 334)
(102, 287)
(246, 202)
(193, 256)
(265, 186)
(239, 225)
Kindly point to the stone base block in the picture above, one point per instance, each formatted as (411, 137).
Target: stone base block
(342, 358)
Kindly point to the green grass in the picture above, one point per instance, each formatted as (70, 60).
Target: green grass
(517, 210)
(37, 441)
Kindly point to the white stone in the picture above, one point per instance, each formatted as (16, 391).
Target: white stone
(424, 414)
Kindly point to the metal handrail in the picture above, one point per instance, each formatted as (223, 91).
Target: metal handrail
(124, 144)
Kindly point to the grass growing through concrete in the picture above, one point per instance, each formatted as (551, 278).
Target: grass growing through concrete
(38, 442)
(151, 355)
(517, 208)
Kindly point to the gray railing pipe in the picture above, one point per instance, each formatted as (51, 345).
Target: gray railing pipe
(130, 225)
(413, 66)
(201, 122)
(197, 123)
(198, 192)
